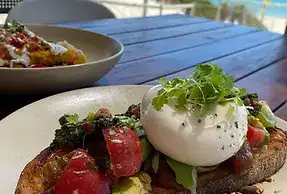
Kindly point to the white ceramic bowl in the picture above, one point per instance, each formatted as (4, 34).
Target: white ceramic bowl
(102, 53)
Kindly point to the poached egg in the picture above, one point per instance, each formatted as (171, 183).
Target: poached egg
(193, 140)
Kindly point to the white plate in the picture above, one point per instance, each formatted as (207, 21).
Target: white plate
(103, 52)
(29, 130)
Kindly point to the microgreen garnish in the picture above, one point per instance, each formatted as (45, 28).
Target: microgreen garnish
(206, 86)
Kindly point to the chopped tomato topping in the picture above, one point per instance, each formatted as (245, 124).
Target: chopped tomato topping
(81, 176)
(255, 136)
(125, 151)
(21, 35)
(16, 42)
(35, 38)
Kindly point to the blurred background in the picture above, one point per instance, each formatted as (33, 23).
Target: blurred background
(266, 14)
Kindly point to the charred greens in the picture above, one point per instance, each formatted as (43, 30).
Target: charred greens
(70, 135)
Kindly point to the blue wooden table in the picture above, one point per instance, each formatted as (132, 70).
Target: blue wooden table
(172, 45)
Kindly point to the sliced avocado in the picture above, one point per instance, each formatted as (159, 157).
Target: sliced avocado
(139, 183)
(255, 122)
(266, 116)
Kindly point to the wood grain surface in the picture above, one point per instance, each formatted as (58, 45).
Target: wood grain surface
(172, 45)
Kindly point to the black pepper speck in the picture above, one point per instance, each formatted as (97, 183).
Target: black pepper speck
(182, 124)
(236, 124)
(199, 120)
(230, 145)
(232, 136)
(216, 114)
(219, 137)
(225, 130)
(222, 148)
(218, 126)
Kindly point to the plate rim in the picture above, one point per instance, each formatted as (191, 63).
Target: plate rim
(83, 89)
(65, 93)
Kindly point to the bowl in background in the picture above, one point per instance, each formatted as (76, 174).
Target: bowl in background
(102, 52)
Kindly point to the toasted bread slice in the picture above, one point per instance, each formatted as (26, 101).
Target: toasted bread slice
(31, 180)
(267, 161)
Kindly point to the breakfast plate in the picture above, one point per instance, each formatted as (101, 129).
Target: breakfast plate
(30, 129)
(42, 58)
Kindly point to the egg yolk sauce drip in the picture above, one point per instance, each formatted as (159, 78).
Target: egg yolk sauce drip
(181, 129)
(203, 122)
(21, 48)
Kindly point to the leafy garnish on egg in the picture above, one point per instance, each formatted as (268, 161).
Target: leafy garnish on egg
(207, 85)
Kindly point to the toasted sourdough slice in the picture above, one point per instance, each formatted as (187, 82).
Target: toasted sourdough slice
(31, 180)
(266, 163)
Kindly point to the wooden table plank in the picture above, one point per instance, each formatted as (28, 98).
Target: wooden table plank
(156, 34)
(105, 22)
(153, 48)
(161, 45)
(245, 62)
(282, 112)
(149, 69)
(145, 25)
(270, 83)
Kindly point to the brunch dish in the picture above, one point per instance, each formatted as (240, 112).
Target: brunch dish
(200, 134)
(21, 48)
(42, 58)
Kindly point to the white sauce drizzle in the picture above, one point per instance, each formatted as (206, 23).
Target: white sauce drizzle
(57, 49)
(23, 58)
(30, 33)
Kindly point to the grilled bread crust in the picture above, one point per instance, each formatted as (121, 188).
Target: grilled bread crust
(31, 180)
(267, 161)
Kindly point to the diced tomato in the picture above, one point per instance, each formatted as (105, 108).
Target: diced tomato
(80, 177)
(125, 151)
(255, 136)
(16, 42)
(20, 35)
(38, 66)
(35, 38)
